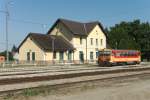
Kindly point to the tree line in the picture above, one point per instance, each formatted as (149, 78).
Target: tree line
(133, 35)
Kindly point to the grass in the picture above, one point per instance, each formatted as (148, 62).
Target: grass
(41, 90)
(29, 92)
(8, 96)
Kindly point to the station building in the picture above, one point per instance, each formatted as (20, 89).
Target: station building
(66, 41)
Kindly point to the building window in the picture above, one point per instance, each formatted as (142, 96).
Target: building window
(61, 55)
(81, 40)
(28, 56)
(96, 32)
(97, 54)
(101, 42)
(33, 56)
(91, 55)
(96, 42)
(54, 55)
(91, 41)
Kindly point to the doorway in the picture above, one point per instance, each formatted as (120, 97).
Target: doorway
(81, 56)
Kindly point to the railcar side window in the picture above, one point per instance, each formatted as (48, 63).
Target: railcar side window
(117, 54)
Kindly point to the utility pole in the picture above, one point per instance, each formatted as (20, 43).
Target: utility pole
(7, 17)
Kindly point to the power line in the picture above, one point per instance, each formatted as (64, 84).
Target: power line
(3, 43)
(43, 25)
(25, 21)
(2, 11)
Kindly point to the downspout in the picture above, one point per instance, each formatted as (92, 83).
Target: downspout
(86, 39)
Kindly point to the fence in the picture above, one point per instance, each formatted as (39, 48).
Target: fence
(44, 63)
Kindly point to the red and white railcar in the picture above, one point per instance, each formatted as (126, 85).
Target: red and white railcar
(114, 57)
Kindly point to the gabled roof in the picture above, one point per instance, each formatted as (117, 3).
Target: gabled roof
(45, 42)
(77, 28)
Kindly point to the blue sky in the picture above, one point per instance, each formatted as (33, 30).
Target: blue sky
(29, 15)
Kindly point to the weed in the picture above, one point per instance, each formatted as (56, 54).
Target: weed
(8, 96)
(30, 92)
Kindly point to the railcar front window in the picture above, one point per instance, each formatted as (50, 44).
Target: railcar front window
(104, 53)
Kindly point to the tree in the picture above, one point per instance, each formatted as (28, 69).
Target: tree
(14, 49)
(4, 54)
(130, 35)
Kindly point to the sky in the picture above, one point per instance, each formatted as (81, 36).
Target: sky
(38, 16)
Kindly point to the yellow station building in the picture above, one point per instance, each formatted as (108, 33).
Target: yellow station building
(66, 41)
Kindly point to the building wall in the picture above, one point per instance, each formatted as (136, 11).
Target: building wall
(40, 55)
(57, 59)
(48, 56)
(96, 33)
(30, 46)
(61, 30)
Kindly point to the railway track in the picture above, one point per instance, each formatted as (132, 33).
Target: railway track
(14, 80)
(68, 76)
(34, 70)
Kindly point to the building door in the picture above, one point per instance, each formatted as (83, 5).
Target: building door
(61, 56)
(81, 56)
(28, 56)
(91, 56)
(69, 56)
(33, 56)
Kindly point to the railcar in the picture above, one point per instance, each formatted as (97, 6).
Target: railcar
(109, 57)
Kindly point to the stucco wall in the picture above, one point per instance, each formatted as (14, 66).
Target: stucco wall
(96, 33)
(61, 30)
(40, 55)
(30, 46)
